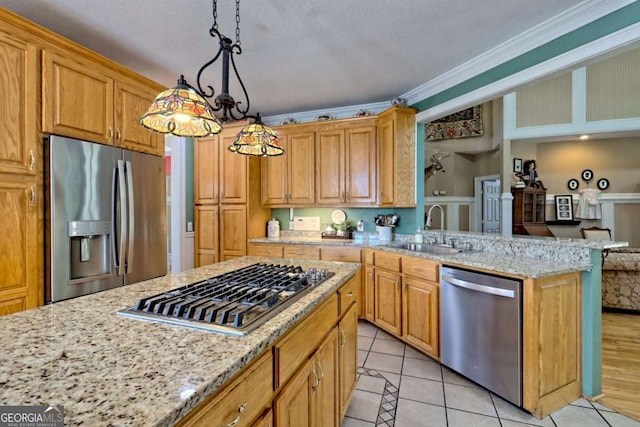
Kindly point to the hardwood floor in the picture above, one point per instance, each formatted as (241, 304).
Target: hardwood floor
(621, 363)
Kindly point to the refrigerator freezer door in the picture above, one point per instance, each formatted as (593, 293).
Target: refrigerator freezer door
(80, 222)
(147, 251)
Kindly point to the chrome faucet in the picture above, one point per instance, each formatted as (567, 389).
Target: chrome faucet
(427, 223)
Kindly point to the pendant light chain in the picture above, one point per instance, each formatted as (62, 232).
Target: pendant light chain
(237, 22)
(215, 15)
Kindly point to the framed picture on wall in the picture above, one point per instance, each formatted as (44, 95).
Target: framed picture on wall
(564, 207)
(517, 165)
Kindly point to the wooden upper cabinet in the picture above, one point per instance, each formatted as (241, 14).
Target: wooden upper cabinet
(346, 165)
(206, 152)
(220, 176)
(77, 98)
(396, 159)
(360, 165)
(132, 100)
(233, 170)
(85, 100)
(289, 180)
(18, 104)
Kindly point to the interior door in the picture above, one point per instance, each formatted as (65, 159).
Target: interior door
(491, 206)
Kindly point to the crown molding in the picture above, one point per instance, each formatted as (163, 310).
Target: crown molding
(561, 24)
(338, 113)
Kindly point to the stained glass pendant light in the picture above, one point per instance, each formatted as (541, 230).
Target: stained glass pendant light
(256, 139)
(184, 110)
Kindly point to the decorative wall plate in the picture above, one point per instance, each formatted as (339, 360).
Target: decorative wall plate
(573, 184)
(587, 175)
(603, 184)
(338, 216)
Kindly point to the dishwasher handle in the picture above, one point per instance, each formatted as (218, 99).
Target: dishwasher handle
(480, 288)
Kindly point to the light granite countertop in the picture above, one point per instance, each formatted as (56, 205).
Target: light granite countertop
(108, 370)
(524, 257)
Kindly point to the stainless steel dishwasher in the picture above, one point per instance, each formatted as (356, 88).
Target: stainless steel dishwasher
(481, 329)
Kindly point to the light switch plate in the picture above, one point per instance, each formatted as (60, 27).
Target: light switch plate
(306, 223)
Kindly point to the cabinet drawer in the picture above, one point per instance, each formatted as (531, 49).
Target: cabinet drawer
(368, 256)
(349, 294)
(387, 260)
(304, 339)
(265, 249)
(302, 251)
(420, 268)
(243, 400)
(337, 253)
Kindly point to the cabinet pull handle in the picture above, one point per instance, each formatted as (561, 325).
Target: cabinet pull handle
(237, 420)
(316, 382)
(344, 338)
(404, 286)
(350, 294)
(32, 202)
(321, 371)
(32, 160)
(110, 134)
(119, 136)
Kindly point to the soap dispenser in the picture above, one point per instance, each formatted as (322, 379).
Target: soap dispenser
(418, 236)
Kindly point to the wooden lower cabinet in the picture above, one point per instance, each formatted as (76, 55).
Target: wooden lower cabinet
(388, 302)
(368, 303)
(266, 420)
(420, 315)
(311, 397)
(21, 257)
(348, 353)
(265, 249)
(302, 251)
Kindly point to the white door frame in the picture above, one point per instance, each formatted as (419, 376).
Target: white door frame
(476, 215)
(181, 241)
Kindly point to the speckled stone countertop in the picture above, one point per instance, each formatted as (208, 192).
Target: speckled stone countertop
(108, 370)
(520, 255)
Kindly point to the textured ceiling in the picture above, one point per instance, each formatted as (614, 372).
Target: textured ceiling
(297, 55)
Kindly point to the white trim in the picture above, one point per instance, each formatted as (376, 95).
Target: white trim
(188, 250)
(181, 244)
(507, 211)
(561, 62)
(441, 200)
(615, 198)
(561, 24)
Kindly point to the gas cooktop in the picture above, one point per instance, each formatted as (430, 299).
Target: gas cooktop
(234, 303)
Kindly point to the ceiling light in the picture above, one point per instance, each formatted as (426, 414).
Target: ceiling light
(185, 111)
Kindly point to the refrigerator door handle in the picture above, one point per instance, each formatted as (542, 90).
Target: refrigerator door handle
(132, 216)
(123, 219)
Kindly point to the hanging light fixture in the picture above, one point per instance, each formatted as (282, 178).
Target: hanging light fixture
(184, 111)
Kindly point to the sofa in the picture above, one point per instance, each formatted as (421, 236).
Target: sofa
(621, 279)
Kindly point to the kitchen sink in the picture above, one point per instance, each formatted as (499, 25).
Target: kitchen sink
(427, 248)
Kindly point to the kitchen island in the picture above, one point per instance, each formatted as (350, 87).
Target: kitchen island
(111, 370)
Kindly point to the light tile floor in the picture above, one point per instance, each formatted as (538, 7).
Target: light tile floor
(398, 386)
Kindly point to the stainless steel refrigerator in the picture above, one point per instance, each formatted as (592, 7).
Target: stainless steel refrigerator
(105, 224)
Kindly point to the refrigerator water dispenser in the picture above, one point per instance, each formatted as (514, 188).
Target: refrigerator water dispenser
(89, 247)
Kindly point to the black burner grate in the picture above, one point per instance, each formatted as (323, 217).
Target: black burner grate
(238, 299)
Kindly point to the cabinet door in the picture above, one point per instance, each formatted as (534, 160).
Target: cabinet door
(387, 301)
(266, 420)
(348, 338)
(360, 165)
(420, 314)
(206, 242)
(274, 175)
(20, 284)
(369, 294)
(77, 99)
(301, 166)
(386, 149)
(233, 231)
(330, 167)
(18, 105)
(205, 170)
(132, 100)
(302, 251)
(326, 399)
(294, 406)
(233, 170)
